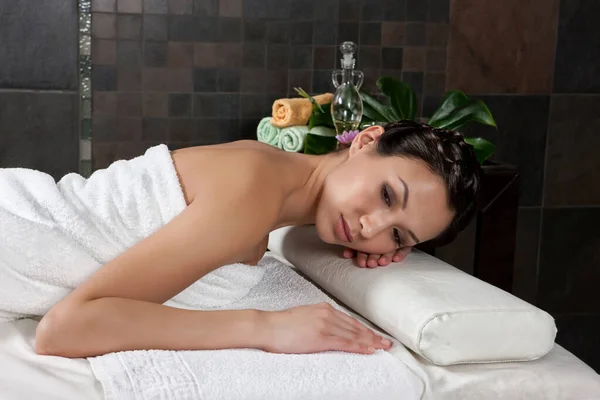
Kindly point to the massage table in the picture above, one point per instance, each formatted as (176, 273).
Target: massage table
(557, 376)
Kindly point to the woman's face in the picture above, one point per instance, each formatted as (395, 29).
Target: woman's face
(376, 204)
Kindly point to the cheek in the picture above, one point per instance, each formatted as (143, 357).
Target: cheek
(357, 188)
(338, 190)
(435, 222)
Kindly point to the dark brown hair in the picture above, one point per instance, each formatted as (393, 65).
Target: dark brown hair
(447, 154)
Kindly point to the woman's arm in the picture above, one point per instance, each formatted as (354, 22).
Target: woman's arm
(120, 306)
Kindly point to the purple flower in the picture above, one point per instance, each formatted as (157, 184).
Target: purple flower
(347, 136)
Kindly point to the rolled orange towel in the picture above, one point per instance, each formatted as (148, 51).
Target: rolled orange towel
(297, 111)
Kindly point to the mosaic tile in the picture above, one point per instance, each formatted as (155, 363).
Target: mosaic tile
(85, 168)
(85, 24)
(85, 45)
(85, 89)
(86, 129)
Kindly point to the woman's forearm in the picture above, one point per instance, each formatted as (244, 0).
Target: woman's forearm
(114, 324)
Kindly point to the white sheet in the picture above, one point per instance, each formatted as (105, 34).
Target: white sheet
(25, 375)
(250, 374)
(557, 376)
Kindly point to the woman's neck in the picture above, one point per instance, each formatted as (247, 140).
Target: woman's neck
(308, 174)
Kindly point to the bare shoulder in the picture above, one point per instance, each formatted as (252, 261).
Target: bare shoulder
(240, 174)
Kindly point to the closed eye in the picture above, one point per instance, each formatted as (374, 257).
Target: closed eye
(385, 194)
(397, 237)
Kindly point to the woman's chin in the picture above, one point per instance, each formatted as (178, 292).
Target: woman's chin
(325, 235)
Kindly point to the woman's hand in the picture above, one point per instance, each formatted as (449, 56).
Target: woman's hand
(365, 260)
(316, 328)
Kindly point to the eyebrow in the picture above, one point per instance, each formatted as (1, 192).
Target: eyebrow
(405, 199)
(404, 202)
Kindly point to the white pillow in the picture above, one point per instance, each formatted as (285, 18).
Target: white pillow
(445, 315)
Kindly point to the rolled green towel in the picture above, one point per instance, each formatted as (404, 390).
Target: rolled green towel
(292, 138)
(267, 133)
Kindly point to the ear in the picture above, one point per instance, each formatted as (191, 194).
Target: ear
(366, 138)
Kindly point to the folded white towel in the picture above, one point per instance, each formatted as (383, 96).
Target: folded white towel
(55, 235)
(248, 374)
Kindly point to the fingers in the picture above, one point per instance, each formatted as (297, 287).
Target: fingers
(337, 343)
(401, 254)
(349, 253)
(364, 335)
(372, 260)
(385, 259)
(352, 321)
(365, 260)
(397, 256)
(340, 332)
(361, 259)
(351, 328)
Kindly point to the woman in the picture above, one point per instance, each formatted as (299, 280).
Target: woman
(396, 186)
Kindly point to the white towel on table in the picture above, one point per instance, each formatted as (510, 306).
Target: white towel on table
(54, 235)
(249, 374)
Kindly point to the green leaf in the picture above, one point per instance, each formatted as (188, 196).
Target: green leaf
(371, 113)
(365, 122)
(385, 113)
(315, 106)
(483, 148)
(476, 110)
(317, 144)
(454, 100)
(402, 97)
(318, 118)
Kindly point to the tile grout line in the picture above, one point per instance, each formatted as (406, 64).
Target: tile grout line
(543, 201)
(39, 91)
(555, 47)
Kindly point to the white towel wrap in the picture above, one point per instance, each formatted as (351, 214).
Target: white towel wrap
(55, 235)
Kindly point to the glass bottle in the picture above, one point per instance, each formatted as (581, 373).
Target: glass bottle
(347, 106)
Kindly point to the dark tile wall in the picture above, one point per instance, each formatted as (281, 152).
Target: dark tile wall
(573, 165)
(536, 65)
(520, 138)
(577, 68)
(502, 46)
(38, 84)
(187, 72)
(39, 130)
(39, 44)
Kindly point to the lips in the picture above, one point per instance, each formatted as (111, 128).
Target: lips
(347, 229)
(343, 230)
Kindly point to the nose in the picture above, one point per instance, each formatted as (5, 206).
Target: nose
(374, 223)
